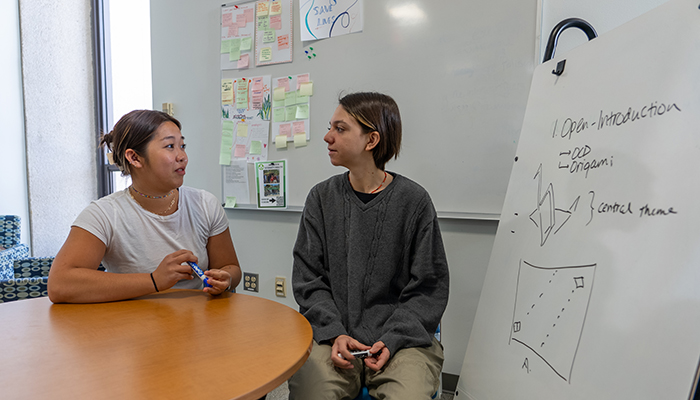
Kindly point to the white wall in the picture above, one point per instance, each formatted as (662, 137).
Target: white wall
(13, 175)
(57, 69)
(185, 54)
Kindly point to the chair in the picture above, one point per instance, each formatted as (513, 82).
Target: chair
(29, 280)
(10, 247)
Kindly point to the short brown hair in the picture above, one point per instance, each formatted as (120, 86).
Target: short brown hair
(133, 131)
(377, 112)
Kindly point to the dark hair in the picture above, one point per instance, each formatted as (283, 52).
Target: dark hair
(377, 112)
(133, 131)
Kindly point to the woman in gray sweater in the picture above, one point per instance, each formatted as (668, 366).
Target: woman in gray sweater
(370, 271)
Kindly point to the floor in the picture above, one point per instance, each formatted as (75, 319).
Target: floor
(282, 393)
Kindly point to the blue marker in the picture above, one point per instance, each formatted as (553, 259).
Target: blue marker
(199, 273)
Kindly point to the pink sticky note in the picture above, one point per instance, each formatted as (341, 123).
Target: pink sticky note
(298, 127)
(233, 30)
(227, 19)
(283, 82)
(241, 20)
(276, 22)
(282, 42)
(286, 129)
(258, 83)
(302, 79)
(249, 14)
(244, 61)
(239, 151)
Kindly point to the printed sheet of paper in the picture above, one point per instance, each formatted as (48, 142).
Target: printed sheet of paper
(273, 32)
(246, 119)
(235, 177)
(290, 108)
(321, 20)
(237, 34)
(271, 184)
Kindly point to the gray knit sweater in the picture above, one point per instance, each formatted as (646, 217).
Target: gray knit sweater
(374, 271)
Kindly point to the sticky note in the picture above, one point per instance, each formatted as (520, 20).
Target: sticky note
(227, 19)
(300, 140)
(225, 157)
(225, 46)
(298, 127)
(230, 202)
(290, 113)
(255, 147)
(281, 141)
(302, 99)
(282, 42)
(242, 130)
(234, 55)
(239, 151)
(278, 94)
(283, 82)
(277, 103)
(266, 54)
(263, 23)
(227, 126)
(249, 15)
(302, 111)
(302, 78)
(269, 36)
(227, 91)
(241, 20)
(246, 43)
(286, 130)
(233, 30)
(258, 83)
(276, 22)
(263, 8)
(306, 89)
(278, 115)
(276, 8)
(244, 61)
(290, 98)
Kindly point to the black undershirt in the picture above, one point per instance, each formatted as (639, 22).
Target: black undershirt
(367, 197)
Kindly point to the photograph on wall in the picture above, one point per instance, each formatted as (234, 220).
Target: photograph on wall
(271, 184)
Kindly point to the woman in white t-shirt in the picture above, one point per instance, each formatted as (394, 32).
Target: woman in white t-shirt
(145, 235)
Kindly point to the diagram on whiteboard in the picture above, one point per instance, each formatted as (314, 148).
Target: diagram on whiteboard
(547, 216)
(550, 310)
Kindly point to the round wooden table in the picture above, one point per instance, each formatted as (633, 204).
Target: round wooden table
(178, 344)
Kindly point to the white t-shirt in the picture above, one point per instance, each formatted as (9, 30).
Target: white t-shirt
(137, 240)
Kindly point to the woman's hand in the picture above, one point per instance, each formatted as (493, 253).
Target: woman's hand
(219, 279)
(173, 269)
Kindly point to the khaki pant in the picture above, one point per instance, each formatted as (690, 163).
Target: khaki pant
(412, 373)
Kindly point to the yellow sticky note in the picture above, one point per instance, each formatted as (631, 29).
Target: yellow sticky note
(263, 8)
(279, 94)
(230, 202)
(255, 147)
(306, 89)
(227, 91)
(281, 142)
(266, 54)
(242, 130)
(300, 139)
(276, 8)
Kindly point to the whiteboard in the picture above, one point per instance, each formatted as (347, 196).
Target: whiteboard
(460, 73)
(591, 291)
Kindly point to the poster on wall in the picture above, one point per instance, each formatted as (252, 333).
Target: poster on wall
(237, 35)
(245, 115)
(328, 18)
(291, 109)
(273, 33)
(271, 185)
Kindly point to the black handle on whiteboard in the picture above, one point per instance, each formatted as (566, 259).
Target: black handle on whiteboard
(561, 27)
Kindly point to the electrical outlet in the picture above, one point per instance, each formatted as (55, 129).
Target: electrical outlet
(250, 282)
(280, 286)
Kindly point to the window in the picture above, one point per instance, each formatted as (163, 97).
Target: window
(122, 73)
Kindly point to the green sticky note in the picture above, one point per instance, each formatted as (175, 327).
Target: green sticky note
(290, 113)
(302, 111)
(227, 126)
(263, 23)
(255, 147)
(230, 202)
(278, 103)
(246, 43)
(225, 46)
(234, 55)
(278, 115)
(225, 158)
(235, 44)
(302, 99)
(269, 36)
(266, 54)
(290, 98)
